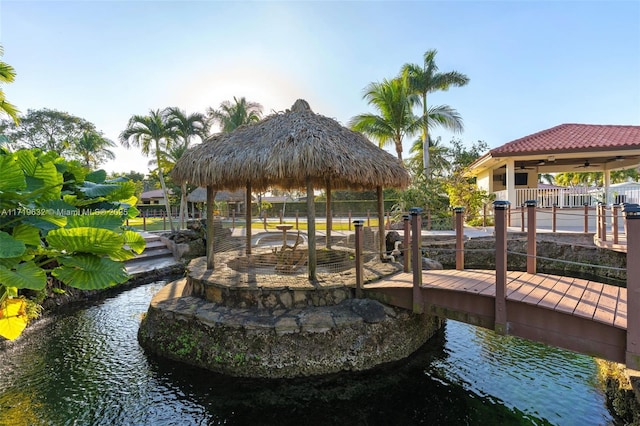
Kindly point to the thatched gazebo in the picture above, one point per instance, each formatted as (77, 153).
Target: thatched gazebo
(295, 149)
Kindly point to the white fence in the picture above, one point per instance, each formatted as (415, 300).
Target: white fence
(574, 197)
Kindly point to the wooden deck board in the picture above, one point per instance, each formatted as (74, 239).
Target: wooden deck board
(589, 300)
(520, 288)
(541, 290)
(555, 294)
(606, 309)
(621, 310)
(572, 296)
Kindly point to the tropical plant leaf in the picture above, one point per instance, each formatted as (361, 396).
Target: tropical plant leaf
(46, 222)
(28, 234)
(92, 190)
(40, 169)
(132, 212)
(124, 192)
(97, 176)
(58, 207)
(13, 318)
(134, 241)
(104, 221)
(85, 240)
(12, 175)
(89, 272)
(24, 275)
(122, 255)
(10, 247)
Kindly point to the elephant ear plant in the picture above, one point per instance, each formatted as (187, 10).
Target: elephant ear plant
(59, 224)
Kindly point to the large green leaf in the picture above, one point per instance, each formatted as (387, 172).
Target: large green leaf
(88, 272)
(10, 247)
(85, 240)
(92, 190)
(59, 207)
(97, 176)
(46, 222)
(12, 175)
(41, 168)
(24, 275)
(121, 255)
(105, 221)
(134, 241)
(28, 234)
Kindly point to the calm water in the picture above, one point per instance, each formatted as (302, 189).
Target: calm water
(86, 368)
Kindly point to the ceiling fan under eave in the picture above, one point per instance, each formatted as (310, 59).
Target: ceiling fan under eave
(586, 165)
(523, 166)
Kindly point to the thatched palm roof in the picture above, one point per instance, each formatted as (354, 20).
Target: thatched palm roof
(199, 195)
(284, 149)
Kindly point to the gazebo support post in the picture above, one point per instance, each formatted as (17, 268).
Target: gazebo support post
(381, 236)
(329, 218)
(211, 194)
(311, 230)
(247, 218)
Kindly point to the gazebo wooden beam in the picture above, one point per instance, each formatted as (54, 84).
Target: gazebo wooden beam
(311, 231)
(381, 237)
(328, 214)
(211, 195)
(247, 216)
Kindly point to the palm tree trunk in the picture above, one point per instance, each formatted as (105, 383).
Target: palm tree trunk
(183, 205)
(164, 187)
(398, 143)
(425, 136)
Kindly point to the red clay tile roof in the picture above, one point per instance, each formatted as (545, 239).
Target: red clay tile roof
(573, 138)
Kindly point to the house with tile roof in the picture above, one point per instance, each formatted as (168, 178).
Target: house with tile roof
(511, 171)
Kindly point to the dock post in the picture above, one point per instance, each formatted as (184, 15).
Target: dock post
(586, 218)
(359, 264)
(500, 208)
(522, 217)
(459, 238)
(632, 215)
(416, 259)
(554, 218)
(531, 236)
(406, 243)
(614, 222)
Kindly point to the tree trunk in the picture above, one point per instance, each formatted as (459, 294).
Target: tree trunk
(164, 188)
(425, 136)
(183, 205)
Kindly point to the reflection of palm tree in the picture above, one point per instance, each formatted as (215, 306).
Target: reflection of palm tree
(233, 115)
(186, 127)
(93, 148)
(153, 135)
(424, 79)
(395, 120)
(7, 75)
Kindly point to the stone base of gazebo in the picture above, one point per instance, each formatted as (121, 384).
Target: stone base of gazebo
(270, 329)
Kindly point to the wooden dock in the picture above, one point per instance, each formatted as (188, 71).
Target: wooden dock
(571, 313)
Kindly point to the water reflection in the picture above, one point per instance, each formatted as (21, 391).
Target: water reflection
(85, 367)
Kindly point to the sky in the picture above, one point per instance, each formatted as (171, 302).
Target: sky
(532, 64)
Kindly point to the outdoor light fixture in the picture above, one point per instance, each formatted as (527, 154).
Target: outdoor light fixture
(551, 159)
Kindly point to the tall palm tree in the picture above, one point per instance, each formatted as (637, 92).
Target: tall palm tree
(394, 102)
(153, 135)
(186, 126)
(7, 75)
(425, 79)
(93, 148)
(232, 115)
